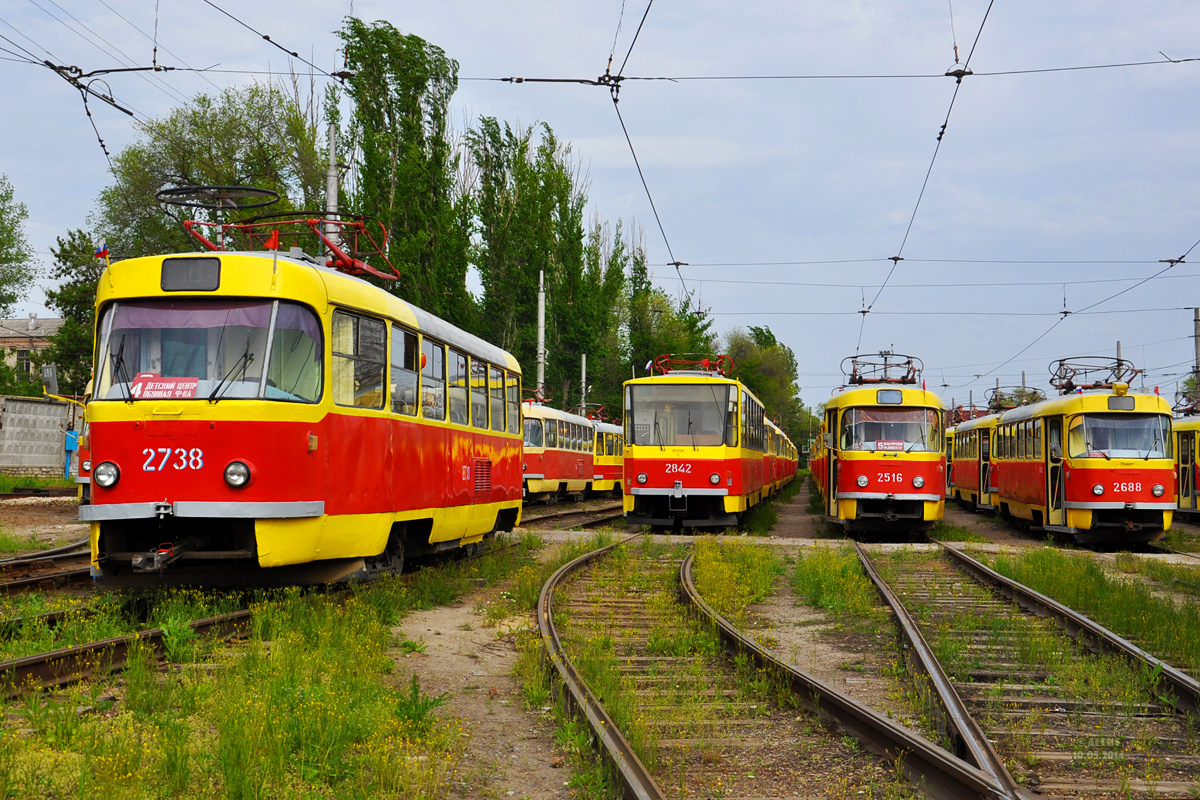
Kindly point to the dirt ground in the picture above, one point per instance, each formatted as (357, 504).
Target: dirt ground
(52, 521)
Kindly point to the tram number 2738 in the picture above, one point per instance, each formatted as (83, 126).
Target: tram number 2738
(168, 458)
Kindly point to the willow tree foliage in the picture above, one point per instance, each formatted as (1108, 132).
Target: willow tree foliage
(768, 367)
(78, 272)
(404, 164)
(255, 135)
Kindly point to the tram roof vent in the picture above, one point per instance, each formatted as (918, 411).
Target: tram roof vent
(692, 364)
(1080, 373)
(882, 367)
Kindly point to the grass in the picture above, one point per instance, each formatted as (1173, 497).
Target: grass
(1182, 540)
(832, 579)
(732, 575)
(1176, 577)
(11, 543)
(1165, 627)
(309, 706)
(10, 483)
(945, 532)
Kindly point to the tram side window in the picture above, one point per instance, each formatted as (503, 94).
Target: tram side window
(404, 371)
(551, 433)
(358, 344)
(496, 393)
(1037, 438)
(433, 379)
(456, 387)
(533, 433)
(513, 384)
(478, 394)
(294, 371)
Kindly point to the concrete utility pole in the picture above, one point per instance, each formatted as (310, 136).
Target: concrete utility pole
(1118, 350)
(331, 185)
(583, 384)
(1196, 342)
(541, 343)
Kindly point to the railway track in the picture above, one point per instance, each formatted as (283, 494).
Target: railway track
(591, 517)
(1065, 720)
(699, 718)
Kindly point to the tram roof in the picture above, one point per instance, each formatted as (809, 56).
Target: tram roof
(540, 411)
(986, 421)
(606, 427)
(868, 396)
(292, 277)
(1186, 423)
(1088, 402)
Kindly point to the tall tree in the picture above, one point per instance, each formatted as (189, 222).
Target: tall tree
(768, 367)
(255, 135)
(404, 165)
(78, 272)
(16, 256)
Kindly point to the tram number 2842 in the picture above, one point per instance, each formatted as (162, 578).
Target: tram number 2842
(163, 458)
(679, 469)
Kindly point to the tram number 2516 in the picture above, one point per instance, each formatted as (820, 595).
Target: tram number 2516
(679, 469)
(163, 458)
(889, 477)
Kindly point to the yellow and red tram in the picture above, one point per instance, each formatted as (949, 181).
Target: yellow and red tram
(696, 445)
(1095, 463)
(880, 464)
(950, 429)
(608, 455)
(558, 457)
(263, 416)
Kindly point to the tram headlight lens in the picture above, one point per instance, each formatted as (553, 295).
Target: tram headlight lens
(1097, 490)
(237, 474)
(714, 479)
(918, 481)
(86, 466)
(862, 481)
(641, 477)
(1158, 490)
(106, 475)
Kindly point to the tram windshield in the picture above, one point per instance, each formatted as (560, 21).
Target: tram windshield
(1119, 436)
(683, 415)
(208, 349)
(892, 429)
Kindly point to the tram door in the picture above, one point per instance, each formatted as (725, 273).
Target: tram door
(985, 465)
(1187, 470)
(949, 463)
(832, 445)
(1055, 479)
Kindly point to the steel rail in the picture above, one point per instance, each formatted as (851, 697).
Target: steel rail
(73, 664)
(10, 626)
(46, 555)
(1184, 689)
(636, 781)
(573, 513)
(938, 773)
(968, 738)
(72, 576)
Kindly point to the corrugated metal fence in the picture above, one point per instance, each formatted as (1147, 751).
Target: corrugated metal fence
(32, 436)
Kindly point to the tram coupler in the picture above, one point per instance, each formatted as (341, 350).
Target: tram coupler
(166, 554)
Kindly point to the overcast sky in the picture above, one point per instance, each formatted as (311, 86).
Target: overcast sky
(1047, 184)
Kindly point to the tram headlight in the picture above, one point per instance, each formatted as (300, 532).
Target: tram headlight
(641, 477)
(862, 481)
(714, 479)
(106, 475)
(237, 474)
(86, 466)
(1158, 490)
(1097, 490)
(918, 481)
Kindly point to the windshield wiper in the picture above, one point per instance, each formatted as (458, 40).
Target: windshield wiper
(243, 362)
(921, 441)
(118, 367)
(1157, 440)
(658, 433)
(1088, 442)
(690, 430)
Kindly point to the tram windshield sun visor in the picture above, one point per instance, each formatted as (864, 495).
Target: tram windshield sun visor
(683, 415)
(891, 429)
(1111, 436)
(197, 349)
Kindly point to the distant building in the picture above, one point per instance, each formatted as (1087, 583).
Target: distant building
(21, 338)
